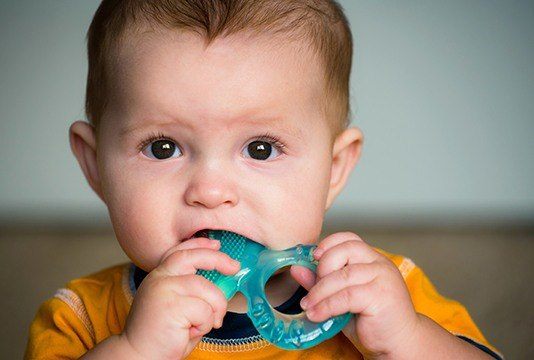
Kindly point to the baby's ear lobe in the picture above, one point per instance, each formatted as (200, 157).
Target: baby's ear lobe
(82, 138)
(345, 155)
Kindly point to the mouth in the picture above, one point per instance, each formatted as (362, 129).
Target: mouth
(197, 234)
(201, 233)
(205, 233)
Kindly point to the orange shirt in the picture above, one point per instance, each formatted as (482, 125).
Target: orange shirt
(92, 308)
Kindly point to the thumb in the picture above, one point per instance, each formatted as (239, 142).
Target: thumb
(304, 276)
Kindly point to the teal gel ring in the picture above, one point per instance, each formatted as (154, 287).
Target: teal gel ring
(258, 264)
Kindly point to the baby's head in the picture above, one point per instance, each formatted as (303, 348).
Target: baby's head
(217, 114)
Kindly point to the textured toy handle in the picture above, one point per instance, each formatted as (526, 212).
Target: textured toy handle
(290, 332)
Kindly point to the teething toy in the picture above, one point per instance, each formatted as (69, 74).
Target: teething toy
(258, 264)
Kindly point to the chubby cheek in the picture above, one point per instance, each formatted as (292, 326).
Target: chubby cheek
(142, 214)
(299, 206)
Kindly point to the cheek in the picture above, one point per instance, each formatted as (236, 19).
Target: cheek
(142, 214)
(298, 206)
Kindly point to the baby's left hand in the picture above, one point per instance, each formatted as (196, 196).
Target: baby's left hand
(353, 277)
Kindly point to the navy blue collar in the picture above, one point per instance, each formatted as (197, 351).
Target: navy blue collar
(237, 325)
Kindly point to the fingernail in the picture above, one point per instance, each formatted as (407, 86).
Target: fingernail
(310, 312)
(318, 252)
(304, 303)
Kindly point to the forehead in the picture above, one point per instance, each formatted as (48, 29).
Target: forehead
(175, 75)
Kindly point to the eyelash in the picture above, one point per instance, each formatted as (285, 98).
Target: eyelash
(160, 136)
(153, 137)
(273, 139)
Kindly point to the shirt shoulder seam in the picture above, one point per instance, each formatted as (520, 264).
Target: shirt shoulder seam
(75, 303)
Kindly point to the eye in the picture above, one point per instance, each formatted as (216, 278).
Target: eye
(161, 149)
(261, 150)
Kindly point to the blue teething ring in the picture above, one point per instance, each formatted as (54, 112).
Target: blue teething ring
(258, 264)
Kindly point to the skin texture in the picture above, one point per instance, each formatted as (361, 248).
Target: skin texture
(212, 102)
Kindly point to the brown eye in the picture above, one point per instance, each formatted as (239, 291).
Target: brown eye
(260, 150)
(161, 149)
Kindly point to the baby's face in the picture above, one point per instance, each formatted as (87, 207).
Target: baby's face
(210, 107)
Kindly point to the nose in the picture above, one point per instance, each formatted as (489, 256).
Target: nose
(210, 190)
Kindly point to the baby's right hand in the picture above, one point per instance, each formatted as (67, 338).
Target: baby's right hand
(174, 307)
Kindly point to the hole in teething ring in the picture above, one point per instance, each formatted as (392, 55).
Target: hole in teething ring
(284, 292)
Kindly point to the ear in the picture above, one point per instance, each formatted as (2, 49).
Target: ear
(345, 154)
(82, 138)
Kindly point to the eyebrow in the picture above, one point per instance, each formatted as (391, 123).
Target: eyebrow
(275, 121)
(132, 128)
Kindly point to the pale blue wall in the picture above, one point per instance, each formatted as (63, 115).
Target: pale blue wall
(443, 91)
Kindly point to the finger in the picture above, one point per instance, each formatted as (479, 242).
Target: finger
(197, 313)
(199, 242)
(194, 332)
(304, 276)
(333, 240)
(352, 274)
(348, 252)
(355, 299)
(198, 286)
(193, 243)
(188, 261)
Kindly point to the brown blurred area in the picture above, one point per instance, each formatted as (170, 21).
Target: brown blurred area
(489, 269)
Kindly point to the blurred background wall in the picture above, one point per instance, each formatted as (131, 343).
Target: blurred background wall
(443, 92)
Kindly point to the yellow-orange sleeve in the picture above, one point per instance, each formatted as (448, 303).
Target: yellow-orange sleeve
(57, 332)
(80, 315)
(448, 313)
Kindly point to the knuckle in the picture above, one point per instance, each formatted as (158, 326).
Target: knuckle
(168, 253)
(322, 268)
(345, 274)
(387, 267)
(315, 291)
(177, 257)
(181, 255)
(212, 292)
(351, 236)
(329, 304)
(335, 238)
(321, 306)
(346, 296)
(346, 234)
(353, 245)
(207, 286)
(358, 238)
(207, 309)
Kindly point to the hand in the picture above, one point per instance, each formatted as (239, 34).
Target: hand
(174, 307)
(353, 277)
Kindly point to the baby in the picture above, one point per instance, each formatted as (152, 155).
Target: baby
(231, 115)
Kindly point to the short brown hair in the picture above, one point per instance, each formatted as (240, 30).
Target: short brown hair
(321, 22)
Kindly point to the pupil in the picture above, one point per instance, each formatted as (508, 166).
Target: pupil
(261, 149)
(163, 149)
